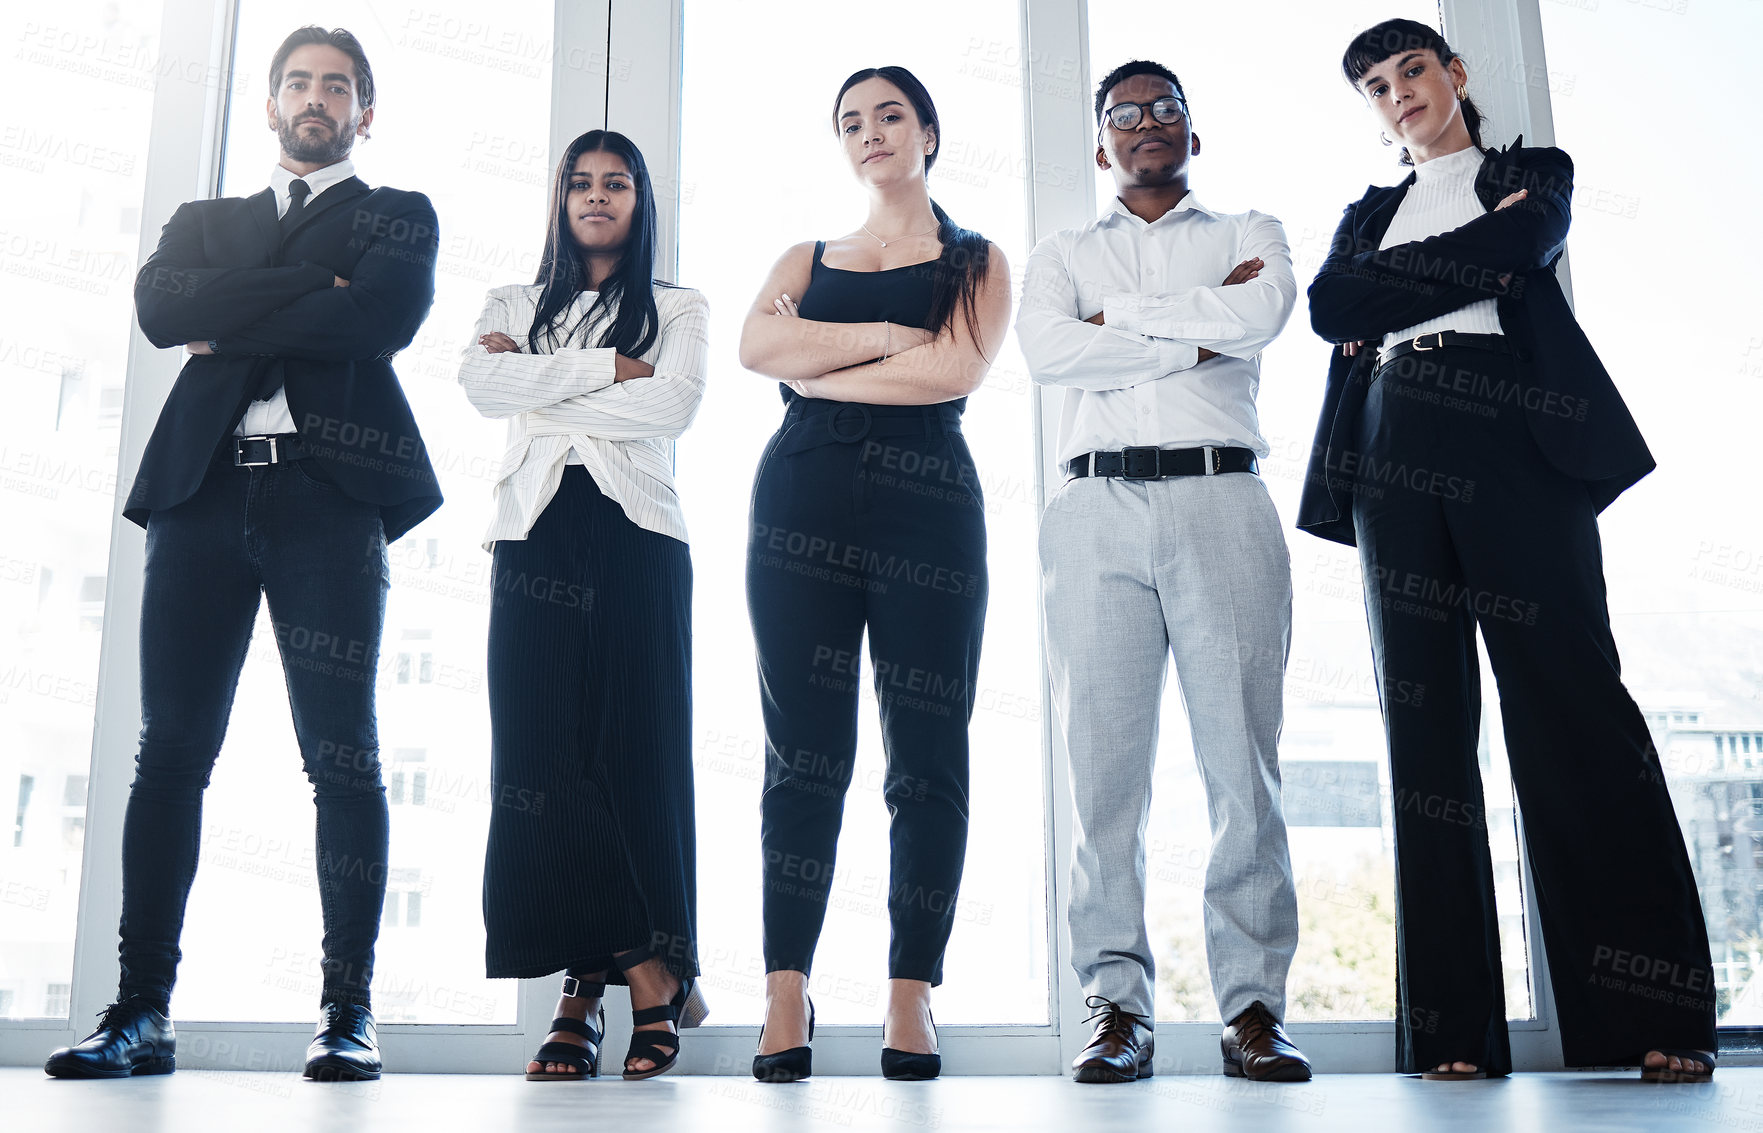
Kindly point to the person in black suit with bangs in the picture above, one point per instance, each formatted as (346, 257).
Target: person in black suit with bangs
(1469, 438)
(283, 462)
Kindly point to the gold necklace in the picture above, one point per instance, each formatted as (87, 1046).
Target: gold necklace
(897, 239)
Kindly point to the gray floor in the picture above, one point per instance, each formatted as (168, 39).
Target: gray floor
(1360, 1103)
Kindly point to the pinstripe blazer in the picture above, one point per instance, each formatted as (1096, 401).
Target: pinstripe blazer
(566, 403)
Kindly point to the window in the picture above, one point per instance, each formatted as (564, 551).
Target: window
(72, 184)
(1684, 561)
(26, 784)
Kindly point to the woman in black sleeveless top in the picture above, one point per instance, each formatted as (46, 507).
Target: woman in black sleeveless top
(867, 514)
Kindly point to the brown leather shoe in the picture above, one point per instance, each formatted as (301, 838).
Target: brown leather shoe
(1121, 1049)
(1256, 1047)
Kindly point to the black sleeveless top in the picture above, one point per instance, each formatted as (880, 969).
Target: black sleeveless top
(896, 295)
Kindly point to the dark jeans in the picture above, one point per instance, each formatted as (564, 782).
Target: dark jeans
(319, 557)
(866, 518)
(1462, 523)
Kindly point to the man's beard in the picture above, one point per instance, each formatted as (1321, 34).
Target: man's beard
(316, 149)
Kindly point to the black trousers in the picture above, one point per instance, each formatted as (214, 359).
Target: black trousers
(866, 516)
(592, 848)
(1462, 522)
(319, 557)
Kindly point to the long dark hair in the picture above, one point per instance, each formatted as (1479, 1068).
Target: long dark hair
(563, 272)
(961, 267)
(1396, 37)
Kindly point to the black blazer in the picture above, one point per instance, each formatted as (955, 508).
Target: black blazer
(1578, 419)
(222, 271)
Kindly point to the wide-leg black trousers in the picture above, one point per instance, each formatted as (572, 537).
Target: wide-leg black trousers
(866, 517)
(592, 848)
(1462, 523)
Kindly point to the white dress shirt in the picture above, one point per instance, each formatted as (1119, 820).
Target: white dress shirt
(566, 403)
(1442, 198)
(1136, 380)
(272, 416)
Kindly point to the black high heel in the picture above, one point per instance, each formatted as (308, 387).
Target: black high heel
(686, 1009)
(790, 1065)
(907, 1066)
(583, 1061)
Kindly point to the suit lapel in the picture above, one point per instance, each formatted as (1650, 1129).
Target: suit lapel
(338, 194)
(1375, 220)
(261, 206)
(1495, 174)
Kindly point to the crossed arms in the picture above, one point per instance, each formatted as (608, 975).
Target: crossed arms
(590, 390)
(297, 311)
(1136, 338)
(883, 364)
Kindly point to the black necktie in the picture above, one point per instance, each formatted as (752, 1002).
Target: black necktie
(297, 193)
(298, 190)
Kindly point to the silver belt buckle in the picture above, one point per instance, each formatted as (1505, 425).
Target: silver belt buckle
(1439, 345)
(1214, 459)
(238, 442)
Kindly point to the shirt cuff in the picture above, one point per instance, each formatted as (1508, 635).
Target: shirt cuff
(1174, 356)
(1122, 312)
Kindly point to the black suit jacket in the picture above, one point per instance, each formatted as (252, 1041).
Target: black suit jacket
(224, 271)
(1576, 416)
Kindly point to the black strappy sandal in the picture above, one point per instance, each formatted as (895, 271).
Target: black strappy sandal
(583, 1061)
(1667, 1074)
(686, 1009)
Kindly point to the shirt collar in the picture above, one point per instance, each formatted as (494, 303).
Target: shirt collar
(1466, 162)
(1117, 212)
(318, 181)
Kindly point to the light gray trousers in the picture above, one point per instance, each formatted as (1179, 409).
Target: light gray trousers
(1133, 572)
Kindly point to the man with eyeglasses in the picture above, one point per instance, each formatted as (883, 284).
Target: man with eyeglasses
(1163, 541)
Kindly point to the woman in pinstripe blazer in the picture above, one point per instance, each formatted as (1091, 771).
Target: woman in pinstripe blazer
(590, 867)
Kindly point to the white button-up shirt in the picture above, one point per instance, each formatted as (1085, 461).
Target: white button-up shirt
(272, 416)
(1137, 380)
(566, 403)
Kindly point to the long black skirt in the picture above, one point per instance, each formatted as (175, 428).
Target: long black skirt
(591, 848)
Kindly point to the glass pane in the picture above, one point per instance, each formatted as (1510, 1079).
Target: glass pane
(254, 918)
(72, 182)
(1332, 752)
(1683, 549)
(996, 969)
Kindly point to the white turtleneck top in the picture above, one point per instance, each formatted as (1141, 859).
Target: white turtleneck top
(1442, 198)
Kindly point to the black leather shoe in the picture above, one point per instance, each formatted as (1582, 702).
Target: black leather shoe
(346, 1048)
(1256, 1047)
(132, 1038)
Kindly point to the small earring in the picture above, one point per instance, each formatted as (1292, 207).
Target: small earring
(1462, 93)
(1385, 138)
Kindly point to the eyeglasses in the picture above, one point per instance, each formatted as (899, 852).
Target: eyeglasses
(1125, 115)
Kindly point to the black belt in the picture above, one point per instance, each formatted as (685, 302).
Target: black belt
(1150, 463)
(1497, 343)
(266, 448)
